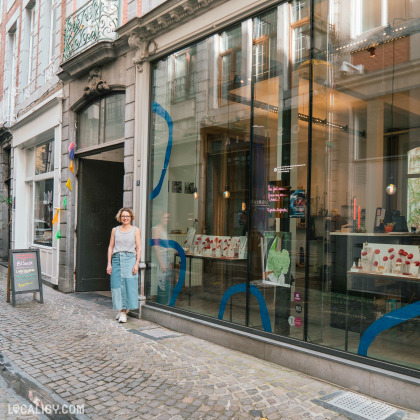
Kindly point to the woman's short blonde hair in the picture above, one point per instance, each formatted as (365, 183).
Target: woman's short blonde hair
(129, 211)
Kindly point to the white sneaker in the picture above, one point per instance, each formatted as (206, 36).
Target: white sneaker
(118, 316)
(123, 317)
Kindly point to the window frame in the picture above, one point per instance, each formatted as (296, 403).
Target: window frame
(231, 52)
(101, 102)
(189, 77)
(32, 42)
(32, 182)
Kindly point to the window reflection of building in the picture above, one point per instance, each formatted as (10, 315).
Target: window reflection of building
(230, 63)
(300, 32)
(265, 46)
(251, 125)
(44, 158)
(184, 80)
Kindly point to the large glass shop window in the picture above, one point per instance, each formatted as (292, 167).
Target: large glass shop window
(225, 241)
(282, 202)
(364, 181)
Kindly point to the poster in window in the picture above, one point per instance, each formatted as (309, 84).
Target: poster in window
(297, 204)
(278, 199)
(276, 249)
(176, 187)
(188, 187)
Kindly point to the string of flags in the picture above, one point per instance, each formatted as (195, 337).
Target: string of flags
(68, 185)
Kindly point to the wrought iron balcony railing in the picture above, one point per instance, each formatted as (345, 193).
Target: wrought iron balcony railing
(96, 21)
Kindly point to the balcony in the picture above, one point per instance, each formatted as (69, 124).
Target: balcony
(7, 107)
(96, 21)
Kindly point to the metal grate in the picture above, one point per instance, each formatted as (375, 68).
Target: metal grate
(362, 406)
(156, 333)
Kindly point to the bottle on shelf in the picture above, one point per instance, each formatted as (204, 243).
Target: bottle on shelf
(382, 226)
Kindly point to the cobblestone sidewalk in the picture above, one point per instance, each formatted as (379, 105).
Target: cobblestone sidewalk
(76, 349)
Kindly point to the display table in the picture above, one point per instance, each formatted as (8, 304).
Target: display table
(356, 293)
(223, 260)
(372, 276)
(380, 292)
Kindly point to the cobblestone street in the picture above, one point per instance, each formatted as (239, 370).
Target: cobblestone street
(76, 350)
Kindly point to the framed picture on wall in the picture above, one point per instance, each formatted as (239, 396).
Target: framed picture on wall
(188, 187)
(176, 187)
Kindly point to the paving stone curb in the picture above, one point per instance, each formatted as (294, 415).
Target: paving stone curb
(32, 393)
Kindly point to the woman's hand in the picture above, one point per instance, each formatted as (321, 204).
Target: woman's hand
(109, 268)
(135, 269)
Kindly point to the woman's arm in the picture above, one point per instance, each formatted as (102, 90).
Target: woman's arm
(110, 249)
(138, 250)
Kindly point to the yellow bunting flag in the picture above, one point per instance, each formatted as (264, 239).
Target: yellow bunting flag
(71, 166)
(55, 219)
(68, 184)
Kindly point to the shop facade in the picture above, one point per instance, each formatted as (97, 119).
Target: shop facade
(97, 163)
(36, 183)
(282, 175)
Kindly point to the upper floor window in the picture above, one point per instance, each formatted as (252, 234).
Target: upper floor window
(372, 14)
(53, 28)
(9, 81)
(101, 121)
(32, 44)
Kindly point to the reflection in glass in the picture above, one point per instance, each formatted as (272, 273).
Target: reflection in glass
(44, 158)
(307, 244)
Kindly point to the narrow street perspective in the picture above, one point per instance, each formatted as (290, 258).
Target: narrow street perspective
(79, 356)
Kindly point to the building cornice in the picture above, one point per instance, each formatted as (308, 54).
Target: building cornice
(166, 16)
(142, 32)
(95, 56)
(38, 109)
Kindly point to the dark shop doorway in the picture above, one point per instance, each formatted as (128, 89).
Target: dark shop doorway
(100, 196)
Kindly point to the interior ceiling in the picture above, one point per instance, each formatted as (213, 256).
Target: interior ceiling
(267, 91)
(115, 155)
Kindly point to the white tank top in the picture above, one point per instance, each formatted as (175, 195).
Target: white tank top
(125, 241)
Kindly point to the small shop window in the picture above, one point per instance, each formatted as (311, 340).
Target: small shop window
(102, 121)
(44, 194)
(44, 158)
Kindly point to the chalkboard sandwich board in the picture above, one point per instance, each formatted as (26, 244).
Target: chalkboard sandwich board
(24, 275)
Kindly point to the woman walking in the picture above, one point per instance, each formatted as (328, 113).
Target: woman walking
(123, 264)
